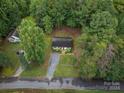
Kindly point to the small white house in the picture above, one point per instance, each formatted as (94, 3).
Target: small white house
(14, 38)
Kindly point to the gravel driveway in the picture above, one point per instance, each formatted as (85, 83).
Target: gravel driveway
(53, 62)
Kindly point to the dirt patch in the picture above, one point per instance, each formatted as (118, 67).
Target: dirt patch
(66, 32)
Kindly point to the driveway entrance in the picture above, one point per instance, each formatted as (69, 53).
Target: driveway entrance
(53, 62)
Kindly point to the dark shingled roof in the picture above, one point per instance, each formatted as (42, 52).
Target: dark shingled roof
(62, 42)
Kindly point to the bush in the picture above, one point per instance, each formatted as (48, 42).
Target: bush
(5, 64)
(58, 49)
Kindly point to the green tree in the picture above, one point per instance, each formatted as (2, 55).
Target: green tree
(47, 22)
(71, 22)
(11, 12)
(91, 51)
(103, 24)
(9, 15)
(38, 9)
(4, 62)
(32, 40)
(103, 20)
(62, 12)
(90, 7)
(99, 28)
(87, 69)
(121, 24)
(119, 4)
(23, 6)
(116, 68)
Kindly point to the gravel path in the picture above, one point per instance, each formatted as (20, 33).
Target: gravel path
(18, 72)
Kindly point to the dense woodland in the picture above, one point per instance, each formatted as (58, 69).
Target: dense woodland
(101, 22)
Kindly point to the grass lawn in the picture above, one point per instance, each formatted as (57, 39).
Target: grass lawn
(66, 67)
(33, 70)
(10, 50)
(57, 91)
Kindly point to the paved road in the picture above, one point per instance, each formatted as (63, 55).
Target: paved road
(60, 83)
(53, 62)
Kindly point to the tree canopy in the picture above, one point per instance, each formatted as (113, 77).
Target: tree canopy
(101, 42)
(32, 40)
(11, 12)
